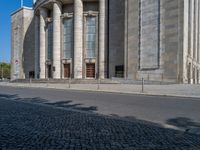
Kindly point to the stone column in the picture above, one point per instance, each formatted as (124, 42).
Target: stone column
(198, 48)
(43, 15)
(102, 39)
(191, 73)
(196, 29)
(36, 57)
(78, 39)
(192, 27)
(56, 40)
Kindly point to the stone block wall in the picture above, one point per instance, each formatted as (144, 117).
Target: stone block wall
(22, 43)
(116, 35)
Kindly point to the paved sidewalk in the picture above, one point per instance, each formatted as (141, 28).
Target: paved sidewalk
(181, 90)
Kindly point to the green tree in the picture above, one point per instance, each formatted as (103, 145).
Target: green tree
(5, 70)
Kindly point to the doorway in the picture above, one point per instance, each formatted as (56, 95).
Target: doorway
(90, 70)
(66, 70)
(49, 71)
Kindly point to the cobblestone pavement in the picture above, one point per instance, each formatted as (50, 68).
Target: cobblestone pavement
(33, 126)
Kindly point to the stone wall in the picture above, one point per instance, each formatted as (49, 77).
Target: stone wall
(155, 39)
(22, 43)
(28, 43)
(116, 35)
(149, 34)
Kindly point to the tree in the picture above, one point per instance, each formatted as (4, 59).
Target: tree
(5, 70)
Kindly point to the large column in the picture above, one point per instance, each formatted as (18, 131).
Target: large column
(43, 15)
(196, 29)
(198, 49)
(192, 27)
(191, 73)
(56, 40)
(102, 39)
(78, 39)
(36, 46)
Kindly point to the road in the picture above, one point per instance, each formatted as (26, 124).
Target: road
(58, 119)
(157, 109)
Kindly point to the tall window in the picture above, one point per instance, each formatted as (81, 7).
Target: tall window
(68, 38)
(90, 37)
(50, 41)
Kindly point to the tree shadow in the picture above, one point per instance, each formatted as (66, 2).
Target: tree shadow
(183, 122)
(8, 96)
(68, 104)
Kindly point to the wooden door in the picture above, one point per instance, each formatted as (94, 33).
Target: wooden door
(66, 70)
(90, 70)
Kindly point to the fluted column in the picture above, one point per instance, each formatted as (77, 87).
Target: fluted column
(43, 15)
(102, 38)
(56, 40)
(78, 39)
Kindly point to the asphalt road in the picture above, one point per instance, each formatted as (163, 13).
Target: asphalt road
(179, 112)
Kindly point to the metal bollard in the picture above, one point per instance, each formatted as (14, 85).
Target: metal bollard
(142, 85)
(98, 85)
(47, 82)
(69, 82)
(30, 80)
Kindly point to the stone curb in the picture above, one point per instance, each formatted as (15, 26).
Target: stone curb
(103, 91)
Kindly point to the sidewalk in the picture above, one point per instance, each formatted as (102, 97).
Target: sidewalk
(180, 90)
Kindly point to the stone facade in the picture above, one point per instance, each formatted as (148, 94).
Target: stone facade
(131, 39)
(22, 28)
(158, 36)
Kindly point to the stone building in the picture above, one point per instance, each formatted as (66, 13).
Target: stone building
(86, 39)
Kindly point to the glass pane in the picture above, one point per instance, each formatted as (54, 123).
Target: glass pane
(90, 37)
(50, 41)
(68, 38)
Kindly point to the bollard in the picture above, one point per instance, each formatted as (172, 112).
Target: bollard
(99, 82)
(30, 81)
(142, 85)
(69, 82)
(47, 82)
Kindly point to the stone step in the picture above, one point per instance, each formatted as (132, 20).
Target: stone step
(64, 81)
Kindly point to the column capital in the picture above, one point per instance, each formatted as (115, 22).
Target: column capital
(57, 2)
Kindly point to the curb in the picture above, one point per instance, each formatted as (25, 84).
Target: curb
(103, 91)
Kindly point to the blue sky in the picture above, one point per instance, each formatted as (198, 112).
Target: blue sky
(6, 8)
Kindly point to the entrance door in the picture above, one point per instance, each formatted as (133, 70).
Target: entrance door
(49, 68)
(90, 70)
(66, 70)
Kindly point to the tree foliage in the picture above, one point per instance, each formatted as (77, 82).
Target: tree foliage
(5, 70)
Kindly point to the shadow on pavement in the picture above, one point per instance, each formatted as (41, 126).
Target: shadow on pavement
(62, 104)
(39, 127)
(182, 122)
(66, 104)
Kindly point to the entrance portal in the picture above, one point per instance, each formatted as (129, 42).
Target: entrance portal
(90, 70)
(66, 70)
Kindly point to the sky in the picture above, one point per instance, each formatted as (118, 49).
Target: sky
(6, 8)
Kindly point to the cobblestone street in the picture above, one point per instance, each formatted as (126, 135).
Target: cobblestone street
(33, 126)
